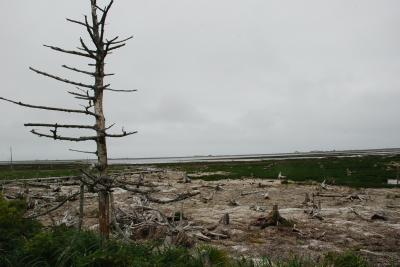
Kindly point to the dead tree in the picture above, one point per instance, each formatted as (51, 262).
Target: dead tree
(97, 51)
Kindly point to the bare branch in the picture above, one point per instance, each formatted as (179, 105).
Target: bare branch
(56, 125)
(90, 30)
(99, 8)
(79, 22)
(103, 19)
(59, 137)
(81, 96)
(120, 91)
(69, 51)
(61, 79)
(90, 52)
(78, 70)
(49, 108)
(82, 151)
(109, 42)
(87, 107)
(121, 135)
(115, 47)
(109, 127)
(114, 41)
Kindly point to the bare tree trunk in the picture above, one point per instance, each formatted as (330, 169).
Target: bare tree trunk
(92, 93)
(104, 213)
(104, 197)
(81, 203)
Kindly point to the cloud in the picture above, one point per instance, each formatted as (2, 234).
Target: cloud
(214, 77)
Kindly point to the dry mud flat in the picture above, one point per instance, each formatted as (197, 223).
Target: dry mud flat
(344, 220)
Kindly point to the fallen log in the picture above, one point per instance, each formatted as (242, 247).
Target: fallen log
(178, 198)
(328, 195)
(251, 193)
(214, 235)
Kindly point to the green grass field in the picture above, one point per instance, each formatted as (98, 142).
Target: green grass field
(368, 171)
(20, 171)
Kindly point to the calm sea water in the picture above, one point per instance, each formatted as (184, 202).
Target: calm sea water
(250, 157)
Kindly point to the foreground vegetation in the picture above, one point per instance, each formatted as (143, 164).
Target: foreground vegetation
(24, 242)
(367, 171)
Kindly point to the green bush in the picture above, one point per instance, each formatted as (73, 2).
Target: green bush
(346, 259)
(14, 228)
(68, 247)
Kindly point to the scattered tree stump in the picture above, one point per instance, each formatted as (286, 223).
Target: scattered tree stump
(186, 178)
(307, 199)
(225, 219)
(379, 216)
(233, 203)
(272, 219)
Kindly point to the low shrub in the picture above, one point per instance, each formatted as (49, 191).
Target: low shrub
(346, 259)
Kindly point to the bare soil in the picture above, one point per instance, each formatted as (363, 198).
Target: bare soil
(346, 223)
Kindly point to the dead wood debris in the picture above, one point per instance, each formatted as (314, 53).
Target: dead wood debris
(379, 216)
(251, 193)
(272, 219)
(233, 203)
(148, 223)
(207, 199)
(312, 208)
(258, 208)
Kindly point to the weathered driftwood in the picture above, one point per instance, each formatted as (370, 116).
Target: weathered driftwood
(36, 215)
(355, 197)
(179, 197)
(306, 198)
(393, 206)
(358, 215)
(217, 187)
(207, 199)
(251, 193)
(324, 186)
(329, 195)
(260, 185)
(258, 208)
(233, 203)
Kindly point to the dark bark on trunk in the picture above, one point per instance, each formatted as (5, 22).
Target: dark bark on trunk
(81, 203)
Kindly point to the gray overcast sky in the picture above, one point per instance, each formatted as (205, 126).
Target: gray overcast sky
(215, 76)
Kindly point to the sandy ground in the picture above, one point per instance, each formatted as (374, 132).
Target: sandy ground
(346, 224)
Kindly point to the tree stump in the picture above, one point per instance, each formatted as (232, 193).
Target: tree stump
(272, 219)
(307, 199)
(225, 219)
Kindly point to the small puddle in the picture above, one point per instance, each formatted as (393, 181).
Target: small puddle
(393, 182)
